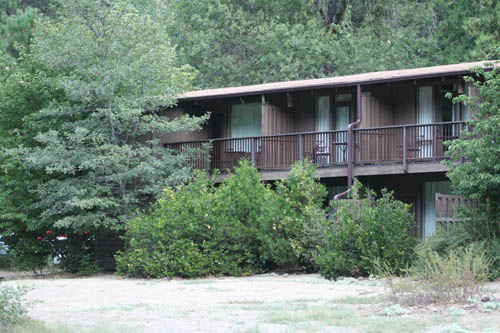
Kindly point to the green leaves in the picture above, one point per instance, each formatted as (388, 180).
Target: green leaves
(364, 229)
(109, 72)
(478, 176)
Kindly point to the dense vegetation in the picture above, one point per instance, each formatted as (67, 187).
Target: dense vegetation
(367, 230)
(81, 82)
(244, 226)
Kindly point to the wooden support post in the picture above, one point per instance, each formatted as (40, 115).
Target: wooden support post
(460, 129)
(405, 162)
(301, 147)
(253, 148)
(207, 156)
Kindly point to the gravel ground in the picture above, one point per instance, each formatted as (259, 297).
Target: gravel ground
(263, 303)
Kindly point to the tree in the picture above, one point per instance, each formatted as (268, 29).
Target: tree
(117, 70)
(478, 177)
(250, 42)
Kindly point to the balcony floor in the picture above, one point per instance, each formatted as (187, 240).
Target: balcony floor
(360, 170)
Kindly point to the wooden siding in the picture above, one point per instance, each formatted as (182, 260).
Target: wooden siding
(276, 120)
(377, 111)
(378, 145)
(404, 98)
(304, 112)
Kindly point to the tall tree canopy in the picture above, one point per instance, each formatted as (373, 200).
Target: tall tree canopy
(116, 69)
(249, 42)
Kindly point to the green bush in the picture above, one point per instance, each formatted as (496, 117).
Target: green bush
(199, 229)
(293, 219)
(364, 230)
(12, 306)
(29, 254)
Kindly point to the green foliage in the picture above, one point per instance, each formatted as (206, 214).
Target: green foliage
(29, 254)
(365, 229)
(265, 41)
(293, 221)
(197, 229)
(116, 69)
(12, 306)
(88, 266)
(479, 178)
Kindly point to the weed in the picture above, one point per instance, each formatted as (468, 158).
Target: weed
(456, 312)
(394, 310)
(454, 328)
(456, 277)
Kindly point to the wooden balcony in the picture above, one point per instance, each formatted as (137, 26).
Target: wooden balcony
(390, 145)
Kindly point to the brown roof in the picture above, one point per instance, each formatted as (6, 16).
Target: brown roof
(339, 81)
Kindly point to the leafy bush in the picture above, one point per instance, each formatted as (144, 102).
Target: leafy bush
(199, 229)
(294, 219)
(456, 276)
(12, 306)
(29, 254)
(365, 229)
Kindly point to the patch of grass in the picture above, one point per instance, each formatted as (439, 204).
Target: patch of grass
(245, 301)
(454, 328)
(197, 281)
(214, 289)
(122, 307)
(303, 317)
(36, 326)
(357, 300)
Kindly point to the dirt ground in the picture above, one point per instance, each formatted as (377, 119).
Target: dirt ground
(263, 303)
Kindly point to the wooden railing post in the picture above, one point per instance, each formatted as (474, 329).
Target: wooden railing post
(209, 147)
(301, 147)
(460, 129)
(253, 149)
(405, 163)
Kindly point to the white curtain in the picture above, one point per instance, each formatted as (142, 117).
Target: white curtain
(425, 111)
(341, 123)
(323, 125)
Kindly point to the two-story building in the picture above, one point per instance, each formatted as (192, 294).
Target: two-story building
(399, 122)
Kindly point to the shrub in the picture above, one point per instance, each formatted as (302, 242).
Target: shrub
(88, 266)
(29, 254)
(364, 229)
(12, 306)
(293, 219)
(470, 232)
(199, 229)
(456, 276)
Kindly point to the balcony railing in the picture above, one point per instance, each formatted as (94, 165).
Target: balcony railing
(390, 144)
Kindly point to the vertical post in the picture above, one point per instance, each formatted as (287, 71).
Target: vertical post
(350, 141)
(301, 147)
(405, 163)
(208, 147)
(253, 148)
(461, 128)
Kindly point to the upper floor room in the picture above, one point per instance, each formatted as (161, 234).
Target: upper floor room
(404, 116)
